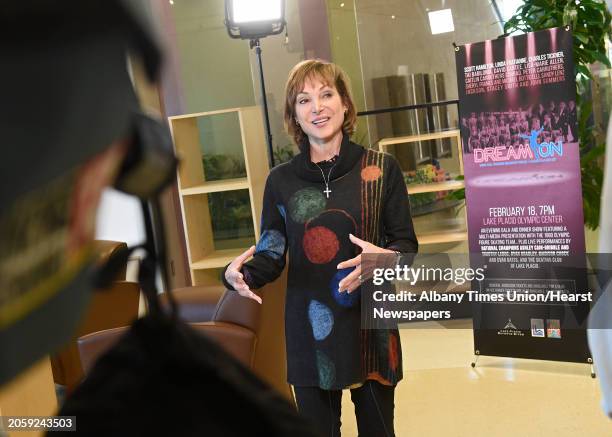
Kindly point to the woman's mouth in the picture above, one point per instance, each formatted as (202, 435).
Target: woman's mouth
(320, 121)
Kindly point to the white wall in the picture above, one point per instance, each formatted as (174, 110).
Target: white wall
(120, 218)
(388, 43)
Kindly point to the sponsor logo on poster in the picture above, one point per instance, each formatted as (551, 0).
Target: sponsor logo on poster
(510, 329)
(553, 328)
(537, 328)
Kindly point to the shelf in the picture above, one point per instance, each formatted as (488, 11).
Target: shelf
(442, 237)
(420, 137)
(435, 186)
(192, 135)
(204, 114)
(218, 258)
(435, 206)
(217, 186)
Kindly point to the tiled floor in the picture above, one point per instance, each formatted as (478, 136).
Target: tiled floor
(441, 395)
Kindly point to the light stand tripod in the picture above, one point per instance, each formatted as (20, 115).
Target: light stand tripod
(245, 22)
(255, 43)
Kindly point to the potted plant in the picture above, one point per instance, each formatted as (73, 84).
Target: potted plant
(590, 22)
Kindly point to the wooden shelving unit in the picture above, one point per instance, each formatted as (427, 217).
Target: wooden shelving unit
(451, 234)
(434, 187)
(217, 186)
(204, 258)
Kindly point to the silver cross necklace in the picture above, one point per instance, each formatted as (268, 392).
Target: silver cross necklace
(326, 181)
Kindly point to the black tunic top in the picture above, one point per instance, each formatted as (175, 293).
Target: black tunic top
(326, 346)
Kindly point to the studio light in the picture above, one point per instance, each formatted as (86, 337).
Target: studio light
(252, 20)
(441, 21)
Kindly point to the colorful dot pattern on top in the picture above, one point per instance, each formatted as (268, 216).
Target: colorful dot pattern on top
(305, 204)
(326, 345)
(321, 320)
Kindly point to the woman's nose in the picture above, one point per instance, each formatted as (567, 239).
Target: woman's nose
(316, 106)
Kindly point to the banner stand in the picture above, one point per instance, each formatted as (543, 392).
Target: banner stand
(589, 361)
(521, 159)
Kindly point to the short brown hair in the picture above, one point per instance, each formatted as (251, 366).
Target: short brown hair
(331, 75)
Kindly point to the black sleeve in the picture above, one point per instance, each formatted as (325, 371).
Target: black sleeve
(397, 221)
(268, 261)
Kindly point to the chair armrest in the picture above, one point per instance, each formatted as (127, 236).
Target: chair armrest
(91, 346)
(195, 304)
(238, 341)
(235, 309)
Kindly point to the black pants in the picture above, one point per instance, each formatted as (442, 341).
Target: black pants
(374, 404)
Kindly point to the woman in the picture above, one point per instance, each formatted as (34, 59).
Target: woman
(330, 203)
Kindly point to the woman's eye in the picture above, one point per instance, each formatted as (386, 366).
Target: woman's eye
(302, 101)
(327, 95)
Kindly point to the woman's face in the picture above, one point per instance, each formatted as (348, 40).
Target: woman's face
(320, 111)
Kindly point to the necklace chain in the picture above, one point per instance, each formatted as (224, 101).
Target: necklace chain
(327, 190)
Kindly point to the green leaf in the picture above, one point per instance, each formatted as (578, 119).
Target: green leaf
(584, 70)
(601, 57)
(581, 37)
(585, 113)
(591, 21)
(592, 154)
(456, 195)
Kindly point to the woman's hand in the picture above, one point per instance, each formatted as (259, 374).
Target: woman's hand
(236, 279)
(353, 279)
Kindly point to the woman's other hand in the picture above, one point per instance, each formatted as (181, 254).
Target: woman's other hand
(354, 279)
(236, 279)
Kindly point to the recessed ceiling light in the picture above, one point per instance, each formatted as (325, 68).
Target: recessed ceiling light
(441, 21)
(341, 5)
(393, 17)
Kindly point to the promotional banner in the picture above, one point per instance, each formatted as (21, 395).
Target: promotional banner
(523, 194)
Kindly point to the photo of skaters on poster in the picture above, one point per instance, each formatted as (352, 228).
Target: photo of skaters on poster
(518, 122)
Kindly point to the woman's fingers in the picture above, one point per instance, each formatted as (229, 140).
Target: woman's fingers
(240, 259)
(245, 292)
(358, 241)
(353, 286)
(233, 274)
(236, 278)
(350, 280)
(240, 283)
(353, 262)
(253, 296)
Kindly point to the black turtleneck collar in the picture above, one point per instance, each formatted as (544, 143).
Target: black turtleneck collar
(350, 154)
